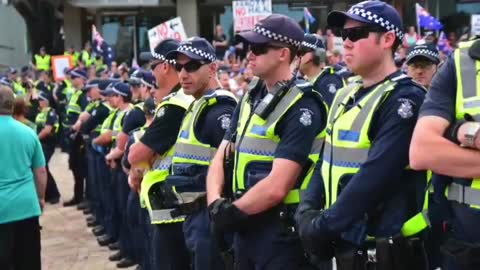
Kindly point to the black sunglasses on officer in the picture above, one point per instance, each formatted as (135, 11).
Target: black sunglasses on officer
(190, 66)
(360, 32)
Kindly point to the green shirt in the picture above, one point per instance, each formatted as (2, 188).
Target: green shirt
(20, 153)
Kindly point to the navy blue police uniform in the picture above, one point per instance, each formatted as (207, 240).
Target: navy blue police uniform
(383, 194)
(267, 240)
(48, 145)
(167, 245)
(209, 128)
(463, 220)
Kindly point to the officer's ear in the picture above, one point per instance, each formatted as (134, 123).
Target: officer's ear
(213, 68)
(286, 55)
(388, 40)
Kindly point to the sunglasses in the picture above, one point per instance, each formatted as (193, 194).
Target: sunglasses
(422, 64)
(189, 67)
(153, 65)
(261, 49)
(356, 33)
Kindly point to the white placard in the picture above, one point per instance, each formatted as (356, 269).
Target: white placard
(475, 24)
(247, 13)
(169, 29)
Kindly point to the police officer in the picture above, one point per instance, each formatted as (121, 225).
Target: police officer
(276, 130)
(446, 141)
(138, 219)
(86, 58)
(312, 65)
(47, 127)
(102, 144)
(42, 60)
(167, 241)
(422, 63)
(89, 125)
(200, 135)
(76, 160)
(122, 96)
(371, 199)
(74, 54)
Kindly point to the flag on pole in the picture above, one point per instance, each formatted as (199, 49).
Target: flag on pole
(426, 20)
(443, 44)
(100, 47)
(308, 18)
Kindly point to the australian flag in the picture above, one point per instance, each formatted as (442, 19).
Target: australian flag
(443, 44)
(425, 20)
(308, 17)
(100, 47)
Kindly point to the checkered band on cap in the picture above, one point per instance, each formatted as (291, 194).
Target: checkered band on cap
(275, 36)
(378, 20)
(201, 53)
(161, 57)
(309, 45)
(422, 52)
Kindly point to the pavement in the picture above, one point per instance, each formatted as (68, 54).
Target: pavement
(67, 242)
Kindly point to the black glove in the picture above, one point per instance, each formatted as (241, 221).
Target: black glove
(317, 240)
(226, 216)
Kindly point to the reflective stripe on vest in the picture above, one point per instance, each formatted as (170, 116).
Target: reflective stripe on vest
(118, 123)
(347, 144)
(108, 122)
(73, 106)
(188, 149)
(42, 62)
(259, 143)
(41, 120)
(161, 167)
(467, 104)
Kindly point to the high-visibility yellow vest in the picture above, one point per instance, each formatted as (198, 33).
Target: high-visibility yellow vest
(43, 62)
(75, 56)
(347, 143)
(73, 107)
(160, 169)
(86, 58)
(467, 104)
(42, 117)
(118, 123)
(257, 142)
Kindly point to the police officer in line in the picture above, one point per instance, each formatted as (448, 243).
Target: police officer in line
(76, 160)
(277, 133)
(142, 230)
(47, 127)
(135, 118)
(91, 129)
(446, 141)
(312, 65)
(135, 84)
(167, 241)
(102, 144)
(89, 125)
(200, 135)
(422, 63)
(42, 60)
(364, 203)
(121, 96)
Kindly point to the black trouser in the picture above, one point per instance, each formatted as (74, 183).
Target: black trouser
(77, 164)
(52, 189)
(20, 245)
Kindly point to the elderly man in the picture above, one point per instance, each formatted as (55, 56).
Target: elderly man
(22, 190)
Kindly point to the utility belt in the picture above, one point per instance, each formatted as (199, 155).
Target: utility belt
(283, 212)
(168, 206)
(392, 253)
(463, 253)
